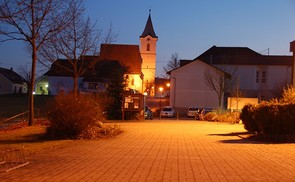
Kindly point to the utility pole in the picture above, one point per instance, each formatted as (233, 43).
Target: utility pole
(292, 49)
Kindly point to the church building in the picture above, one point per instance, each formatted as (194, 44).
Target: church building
(140, 61)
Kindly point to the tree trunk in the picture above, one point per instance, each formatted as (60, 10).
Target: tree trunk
(75, 85)
(31, 90)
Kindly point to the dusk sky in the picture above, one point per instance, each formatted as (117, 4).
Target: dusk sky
(188, 27)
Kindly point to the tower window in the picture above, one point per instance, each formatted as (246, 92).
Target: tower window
(148, 47)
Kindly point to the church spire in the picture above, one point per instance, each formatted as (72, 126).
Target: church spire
(149, 29)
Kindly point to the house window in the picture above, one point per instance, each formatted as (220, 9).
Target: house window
(148, 47)
(263, 79)
(257, 76)
(93, 86)
(81, 86)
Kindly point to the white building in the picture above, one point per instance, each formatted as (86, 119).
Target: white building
(252, 74)
(11, 82)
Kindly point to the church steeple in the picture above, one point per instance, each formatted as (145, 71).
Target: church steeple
(148, 51)
(149, 29)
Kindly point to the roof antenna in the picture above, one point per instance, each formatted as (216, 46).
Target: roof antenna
(150, 11)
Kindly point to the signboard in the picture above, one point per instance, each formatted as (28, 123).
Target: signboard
(133, 102)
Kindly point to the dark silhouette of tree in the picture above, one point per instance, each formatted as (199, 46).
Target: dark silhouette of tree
(115, 91)
(173, 63)
(33, 22)
(215, 79)
(78, 39)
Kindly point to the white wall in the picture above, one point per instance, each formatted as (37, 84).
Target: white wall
(58, 84)
(190, 89)
(246, 75)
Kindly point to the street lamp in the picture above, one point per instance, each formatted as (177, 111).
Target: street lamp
(144, 103)
(161, 90)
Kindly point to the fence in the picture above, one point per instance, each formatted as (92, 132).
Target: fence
(8, 122)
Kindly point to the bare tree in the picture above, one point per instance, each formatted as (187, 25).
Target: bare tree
(25, 72)
(33, 22)
(215, 79)
(78, 39)
(173, 63)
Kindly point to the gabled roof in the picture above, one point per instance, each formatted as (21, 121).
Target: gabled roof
(127, 55)
(190, 62)
(12, 76)
(62, 67)
(241, 56)
(149, 29)
(184, 62)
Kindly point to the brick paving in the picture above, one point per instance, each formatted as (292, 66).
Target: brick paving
(164, 150)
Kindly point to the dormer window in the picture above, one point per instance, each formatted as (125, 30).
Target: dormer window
(148, 47)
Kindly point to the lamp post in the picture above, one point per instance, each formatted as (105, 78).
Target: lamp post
(144, 103)
(161, 90)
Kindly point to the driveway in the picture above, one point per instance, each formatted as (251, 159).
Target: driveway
(164, 150)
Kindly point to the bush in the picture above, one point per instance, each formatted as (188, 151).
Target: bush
(272, 119)
(275, 119)
(100, 132)
(222, 116)
(71, 115)
(210, 116)
(248, 119)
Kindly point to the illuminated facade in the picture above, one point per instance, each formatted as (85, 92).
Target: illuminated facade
(148, 50)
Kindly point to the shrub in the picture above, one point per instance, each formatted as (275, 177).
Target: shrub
(210, 116)
(222, 116)
(274, 119)
(71, 115)
(288, 96)
(248, 119)
(100, 131)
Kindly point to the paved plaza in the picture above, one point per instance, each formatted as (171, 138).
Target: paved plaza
(164, 150)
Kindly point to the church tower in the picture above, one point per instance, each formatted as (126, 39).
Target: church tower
(148, 45)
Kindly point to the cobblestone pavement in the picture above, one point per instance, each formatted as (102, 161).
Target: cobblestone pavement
(164, 150)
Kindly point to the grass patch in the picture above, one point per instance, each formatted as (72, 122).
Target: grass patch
(28, 140)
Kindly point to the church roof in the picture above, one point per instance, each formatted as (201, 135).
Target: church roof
(149, 29)
(127, 55)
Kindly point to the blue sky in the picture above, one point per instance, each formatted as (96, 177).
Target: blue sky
(188, 27)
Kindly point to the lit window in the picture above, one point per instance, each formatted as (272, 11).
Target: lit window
(148, 47)
(92, 86)
(257, 76)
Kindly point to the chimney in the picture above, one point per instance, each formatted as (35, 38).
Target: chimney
(292, 49)
(11, 69)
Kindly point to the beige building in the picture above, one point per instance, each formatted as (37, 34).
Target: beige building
(148, 50)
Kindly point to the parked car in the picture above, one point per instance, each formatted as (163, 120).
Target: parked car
(192, 112)
(167, 111)
(148, 114)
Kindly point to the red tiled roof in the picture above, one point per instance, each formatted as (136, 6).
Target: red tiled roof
(127, 55)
